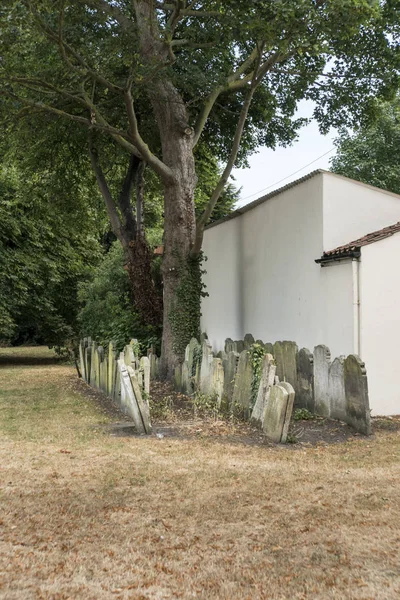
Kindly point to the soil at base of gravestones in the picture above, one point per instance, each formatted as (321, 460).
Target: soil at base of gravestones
(176, 415)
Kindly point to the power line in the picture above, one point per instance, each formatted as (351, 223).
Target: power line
(288, 176)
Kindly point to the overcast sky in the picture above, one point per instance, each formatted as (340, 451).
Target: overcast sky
(269, 167)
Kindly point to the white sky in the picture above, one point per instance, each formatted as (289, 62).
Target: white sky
(268, 167)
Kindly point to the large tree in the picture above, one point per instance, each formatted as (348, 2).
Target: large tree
(372, 153)
(160, 76)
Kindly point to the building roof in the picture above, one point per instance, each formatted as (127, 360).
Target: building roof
(251, 205)
(352, 249)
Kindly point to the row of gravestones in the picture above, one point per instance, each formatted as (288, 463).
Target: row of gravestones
(229, 378)
(121, 376)
(335, 389)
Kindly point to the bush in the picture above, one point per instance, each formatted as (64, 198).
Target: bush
(107, 312)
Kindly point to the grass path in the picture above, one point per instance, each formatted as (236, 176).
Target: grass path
(84, 515)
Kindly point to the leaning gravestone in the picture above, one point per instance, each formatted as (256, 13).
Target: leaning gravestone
(274, 417)
(141, 402)
(289, 409)
(322, 361)
(337, 393)
(242, 386)
(305, 377)
(194, 357)
(267, 380)
(356, 390)
(285, 354)
(130, 402)
(111, 368)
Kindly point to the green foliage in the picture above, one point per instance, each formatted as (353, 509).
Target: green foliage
(107, 313)
(46, 246)
(185, 313)
(257, 353)
(205, 405)
(302, 414)
(372, 153)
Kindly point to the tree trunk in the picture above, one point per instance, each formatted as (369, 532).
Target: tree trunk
(181, 319)
(147, 300)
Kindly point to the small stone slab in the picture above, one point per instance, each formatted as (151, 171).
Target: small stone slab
(275, 413)
(217, 380)
(82, 360)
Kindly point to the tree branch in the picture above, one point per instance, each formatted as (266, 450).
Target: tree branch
(113, 11)
(112, 212)
(213, 96)
(155, 163)
(84, 69)
(203, 220)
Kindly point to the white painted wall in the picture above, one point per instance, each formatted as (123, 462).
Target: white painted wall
(222, 311)
(380, 323)
(262, 277)
(352, 209)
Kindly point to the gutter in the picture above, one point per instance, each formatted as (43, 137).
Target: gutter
(326, 259)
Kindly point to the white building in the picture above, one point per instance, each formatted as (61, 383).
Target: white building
(301, 264)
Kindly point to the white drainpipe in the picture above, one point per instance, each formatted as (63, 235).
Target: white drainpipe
(356, 307)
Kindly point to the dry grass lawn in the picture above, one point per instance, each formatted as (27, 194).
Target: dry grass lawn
(84, 515)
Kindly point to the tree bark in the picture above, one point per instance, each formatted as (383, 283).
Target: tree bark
(124, 225)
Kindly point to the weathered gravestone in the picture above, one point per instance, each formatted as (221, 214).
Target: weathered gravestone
(305, 379)
(356, 389)
(193, 362)
(206, 368)
(145, 370)
(239, 346)
(322, 361)
(269, 348)
(153, 365)
(129, 400)
(93, 365)
(337, 393)
(289, 409)
(100, 368)
(88, 363)
(266, 382)
(230, 364)
(82, 360)
(217, 380)
(230, 346)
(141, 402)
(285, 354)
(242, 387)
(248, 341)
(277, 413)
(111, 369)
